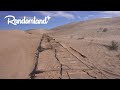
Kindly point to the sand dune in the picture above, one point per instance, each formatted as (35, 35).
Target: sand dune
(78, 50)
(17, 53)
(88, 27)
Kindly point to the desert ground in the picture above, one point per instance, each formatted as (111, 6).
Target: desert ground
(80, 50)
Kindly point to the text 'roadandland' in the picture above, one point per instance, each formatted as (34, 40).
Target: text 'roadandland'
(12, 20)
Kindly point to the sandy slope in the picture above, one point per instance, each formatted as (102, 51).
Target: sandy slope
(90, 27)
(17, 53)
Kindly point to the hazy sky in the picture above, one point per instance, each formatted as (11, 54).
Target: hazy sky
(57, 17)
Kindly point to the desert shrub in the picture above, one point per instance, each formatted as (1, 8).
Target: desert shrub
(80, 38)
(29, 32)
(114, 45)
(105, 30)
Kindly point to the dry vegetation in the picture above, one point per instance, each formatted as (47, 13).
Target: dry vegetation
(114, 45)
(105, 30)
